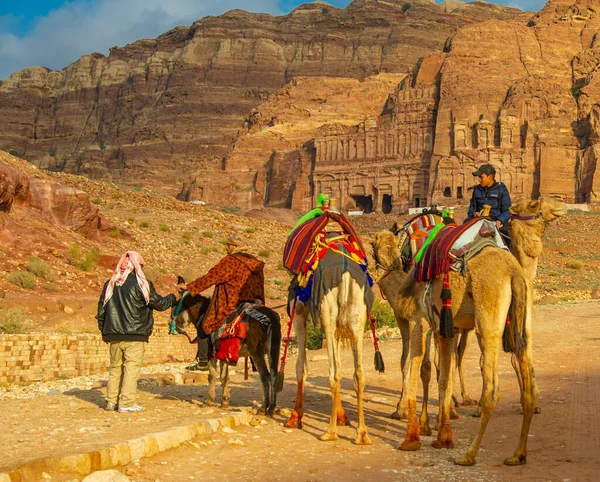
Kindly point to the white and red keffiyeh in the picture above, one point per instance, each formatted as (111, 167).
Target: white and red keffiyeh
(130, 261)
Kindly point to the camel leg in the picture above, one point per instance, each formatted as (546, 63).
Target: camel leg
(529, 399)
(447, 348)
(212, 380)
(425, 379)
(362, 435)
(490, 348)
(335, 376)
(402, 406)
(224, 375)
(295, 420)
(515, 363)
(418, 343)
(462, 348)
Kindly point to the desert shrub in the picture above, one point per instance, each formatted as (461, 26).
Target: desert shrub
(186, 237)
(144, 224)
(14, 153)
(83, 259)
(406, 6)
(51, 287)
(383, 315)
(115, 234)
(23, 279)
(207, 234)
(13, 320)
(229, 209)
(97, 201)
(250, 230)
(40, 268)
(131, 221)
(264, 253)
(574, 265)
(117, 195)
(165, 228)
(314, 335)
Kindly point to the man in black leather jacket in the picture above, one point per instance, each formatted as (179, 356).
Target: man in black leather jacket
(125, 319)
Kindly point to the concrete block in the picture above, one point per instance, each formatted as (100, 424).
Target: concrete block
(79, 463)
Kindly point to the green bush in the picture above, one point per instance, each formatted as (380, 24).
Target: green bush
(574, 265)
(115, 234)
(383, 314)
(23, 279)
(264, 253)
(186, 237)
(97, 201)
(229, 209)
(144, 224)
(165, 228)
(83, 259)
(406, 6)
(13, 320)
(314, 336)
(40, 268)
(51, 287)
(250, 230)
(207, 234)
(14, 153)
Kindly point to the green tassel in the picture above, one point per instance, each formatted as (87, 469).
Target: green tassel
(279, 382)
(379, 365)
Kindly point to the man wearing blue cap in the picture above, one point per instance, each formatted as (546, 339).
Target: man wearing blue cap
(495, 194)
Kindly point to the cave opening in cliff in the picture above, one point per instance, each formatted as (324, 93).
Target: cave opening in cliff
(386, 204)
(364, 203)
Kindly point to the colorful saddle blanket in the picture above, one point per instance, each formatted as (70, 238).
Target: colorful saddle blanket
(300, 245)
(414, 234)
(452, 242)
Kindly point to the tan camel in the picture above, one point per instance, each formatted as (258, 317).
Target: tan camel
(482, 302)
(343, 314)
(527, 226)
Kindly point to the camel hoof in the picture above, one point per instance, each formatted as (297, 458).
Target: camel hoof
(469, 402)
(363, 439)
(454, 415)
(476, 413)
(293, 423)
(410, 446)
(224, 404)
(537, 410)
(397, 415)
(425, 430)
(442, 444)
(464, 460)
(328, 437)
(516, 460)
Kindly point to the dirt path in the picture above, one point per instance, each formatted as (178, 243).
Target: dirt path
(563, 443)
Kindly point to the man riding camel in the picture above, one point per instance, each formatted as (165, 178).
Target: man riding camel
(493, 193)
(237, 278)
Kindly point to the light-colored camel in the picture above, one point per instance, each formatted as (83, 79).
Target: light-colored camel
(343, 314)
(528, 223)
(482, 302)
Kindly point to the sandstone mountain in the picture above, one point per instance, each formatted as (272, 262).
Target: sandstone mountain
(156, 111)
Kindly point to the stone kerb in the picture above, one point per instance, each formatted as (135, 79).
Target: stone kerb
(34, 357)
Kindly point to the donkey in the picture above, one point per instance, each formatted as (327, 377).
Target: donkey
(262, 339)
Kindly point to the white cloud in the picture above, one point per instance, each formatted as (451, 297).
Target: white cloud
(82, 27)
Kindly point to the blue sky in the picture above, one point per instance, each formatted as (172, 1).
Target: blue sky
(54, 33)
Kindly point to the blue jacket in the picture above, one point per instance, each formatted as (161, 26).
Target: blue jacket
(496, 196)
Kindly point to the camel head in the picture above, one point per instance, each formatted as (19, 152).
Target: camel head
(548, 209)
(385, 250)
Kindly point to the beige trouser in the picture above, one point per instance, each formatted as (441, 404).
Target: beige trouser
(125, 364)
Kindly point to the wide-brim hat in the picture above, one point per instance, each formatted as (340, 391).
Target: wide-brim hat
(233, 241)
(485, 169)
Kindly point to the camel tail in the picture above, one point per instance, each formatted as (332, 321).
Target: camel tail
(514, 339)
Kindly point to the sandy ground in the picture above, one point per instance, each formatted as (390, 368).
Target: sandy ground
(563, 441)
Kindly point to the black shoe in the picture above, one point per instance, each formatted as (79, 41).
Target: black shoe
(198, 367)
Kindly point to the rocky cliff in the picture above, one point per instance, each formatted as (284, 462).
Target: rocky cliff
(154, 112)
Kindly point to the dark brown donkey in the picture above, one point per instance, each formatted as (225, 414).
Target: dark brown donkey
(263, 340)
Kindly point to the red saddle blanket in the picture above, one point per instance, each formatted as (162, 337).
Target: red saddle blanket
(228, 349)
(436, 260)
(300, 243)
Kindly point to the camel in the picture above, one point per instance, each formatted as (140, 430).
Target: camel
(527, 226)
(478, 301)
(343, 314)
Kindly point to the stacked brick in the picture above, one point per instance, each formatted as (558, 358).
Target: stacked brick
(33, 357)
